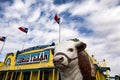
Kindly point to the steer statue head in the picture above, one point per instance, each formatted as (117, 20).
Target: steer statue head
(71, 61)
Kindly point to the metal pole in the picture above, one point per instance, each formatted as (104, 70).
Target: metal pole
(24, 41)
(59, 33)
(2, 47)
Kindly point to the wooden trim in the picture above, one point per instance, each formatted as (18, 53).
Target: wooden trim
(11, 75)
(38, 75)
(20, 76)
(57, 73)
(31, 75)
(43, 75)
(6, 76)
(27, 70)
(53, 74)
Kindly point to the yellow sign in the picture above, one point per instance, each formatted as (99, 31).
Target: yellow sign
(40, 56)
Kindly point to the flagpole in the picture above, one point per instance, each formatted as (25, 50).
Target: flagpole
(57, 19)
(24, 41)
(2, 47)
(59, 33)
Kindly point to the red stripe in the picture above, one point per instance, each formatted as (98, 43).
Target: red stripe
(22, 29)
(56, 18)
(0, 39)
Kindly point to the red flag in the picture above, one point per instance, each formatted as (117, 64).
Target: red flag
(2, 38)
(57, 19)
(23, 29)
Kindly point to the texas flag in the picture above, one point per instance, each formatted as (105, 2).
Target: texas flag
(23, 29)
(56, 18)
(2, 38)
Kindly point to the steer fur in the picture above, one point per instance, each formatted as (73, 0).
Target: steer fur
(79, 68)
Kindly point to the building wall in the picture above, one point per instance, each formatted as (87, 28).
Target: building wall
(10, 62)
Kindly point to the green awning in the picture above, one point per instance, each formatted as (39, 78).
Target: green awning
(102, 68)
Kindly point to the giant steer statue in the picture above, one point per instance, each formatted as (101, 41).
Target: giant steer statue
(71, 61)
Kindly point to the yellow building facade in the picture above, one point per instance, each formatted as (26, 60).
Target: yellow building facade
(29, 64)
(35, 63)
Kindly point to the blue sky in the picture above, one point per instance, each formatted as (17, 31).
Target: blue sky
(95, 22)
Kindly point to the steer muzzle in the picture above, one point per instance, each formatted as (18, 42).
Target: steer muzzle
(58, 59)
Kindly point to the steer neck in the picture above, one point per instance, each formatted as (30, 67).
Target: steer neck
(71, 73)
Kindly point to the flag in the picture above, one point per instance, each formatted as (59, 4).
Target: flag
(57, 19)
(23, 29)
(2, 38)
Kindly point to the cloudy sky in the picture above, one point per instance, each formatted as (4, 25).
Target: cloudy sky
(95, 22)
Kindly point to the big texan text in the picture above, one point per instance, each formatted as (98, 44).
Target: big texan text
(40, 56)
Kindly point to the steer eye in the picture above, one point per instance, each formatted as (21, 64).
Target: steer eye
(70, 49)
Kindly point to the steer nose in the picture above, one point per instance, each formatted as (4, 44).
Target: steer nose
(57, 59)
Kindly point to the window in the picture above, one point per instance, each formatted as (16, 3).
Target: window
(26, 76)
(46, 75)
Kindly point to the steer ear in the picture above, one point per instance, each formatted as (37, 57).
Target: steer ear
(80, 46)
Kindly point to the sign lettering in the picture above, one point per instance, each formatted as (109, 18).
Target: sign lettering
(41, 56)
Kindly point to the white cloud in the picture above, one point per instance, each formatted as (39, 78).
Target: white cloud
(106, 16)
(34, 15)
(109, 3)
(84, 8)
(63, 7)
